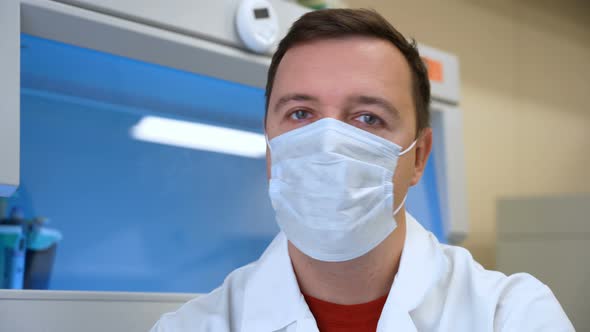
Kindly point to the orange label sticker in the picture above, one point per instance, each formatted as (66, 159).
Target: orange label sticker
(435, 69)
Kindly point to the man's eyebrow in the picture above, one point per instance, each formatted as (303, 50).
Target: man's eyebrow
(377, 101)
(293, 97)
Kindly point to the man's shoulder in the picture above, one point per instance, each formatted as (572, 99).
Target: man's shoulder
(218, 310)
(224, 308)
(461, 269)
(511, 299)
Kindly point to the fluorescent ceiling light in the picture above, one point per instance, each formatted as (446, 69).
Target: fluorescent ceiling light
(199, 136)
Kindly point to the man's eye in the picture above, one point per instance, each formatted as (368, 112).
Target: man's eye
(369, 119)
(299, 115)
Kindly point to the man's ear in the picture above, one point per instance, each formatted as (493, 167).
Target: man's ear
(423, 149)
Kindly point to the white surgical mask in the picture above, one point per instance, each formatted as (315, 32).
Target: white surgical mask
(331, 188)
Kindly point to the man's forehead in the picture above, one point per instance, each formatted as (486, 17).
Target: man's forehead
(343, 48)
(367, 42)
(342, 57)
(345, 66)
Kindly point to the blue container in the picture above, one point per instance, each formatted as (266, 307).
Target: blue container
(12, 256)
(27, 253)
(40, 255)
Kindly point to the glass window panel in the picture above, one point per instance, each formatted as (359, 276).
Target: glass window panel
(136, 215)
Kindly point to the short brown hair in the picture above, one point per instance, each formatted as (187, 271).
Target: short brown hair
(337, 23)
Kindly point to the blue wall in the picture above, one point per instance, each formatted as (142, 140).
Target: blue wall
(138, 216)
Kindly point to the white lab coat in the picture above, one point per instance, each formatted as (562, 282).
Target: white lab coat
(437, 288)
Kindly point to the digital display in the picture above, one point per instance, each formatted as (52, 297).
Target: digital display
(261, 13)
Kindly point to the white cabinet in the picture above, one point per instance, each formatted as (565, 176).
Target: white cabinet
(9, 97)
(549, 237)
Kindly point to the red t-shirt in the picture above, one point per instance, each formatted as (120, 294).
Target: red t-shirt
(332, 317)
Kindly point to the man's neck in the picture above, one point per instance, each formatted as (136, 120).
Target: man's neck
(360, 280)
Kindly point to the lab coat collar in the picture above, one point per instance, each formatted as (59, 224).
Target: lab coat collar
(421, 259)
(273, 299)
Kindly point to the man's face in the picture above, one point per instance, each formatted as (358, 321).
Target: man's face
(365, 82)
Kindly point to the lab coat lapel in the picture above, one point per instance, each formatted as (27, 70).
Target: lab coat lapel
(416, 274)
(272, 299)
(395, 319)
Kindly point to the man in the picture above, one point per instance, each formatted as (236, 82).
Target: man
(348, 128)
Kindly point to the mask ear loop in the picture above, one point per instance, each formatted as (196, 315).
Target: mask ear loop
(409, 148)
(270, 150)
(267, 142)
(401, 205)
(264, 130)
(405, 197)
